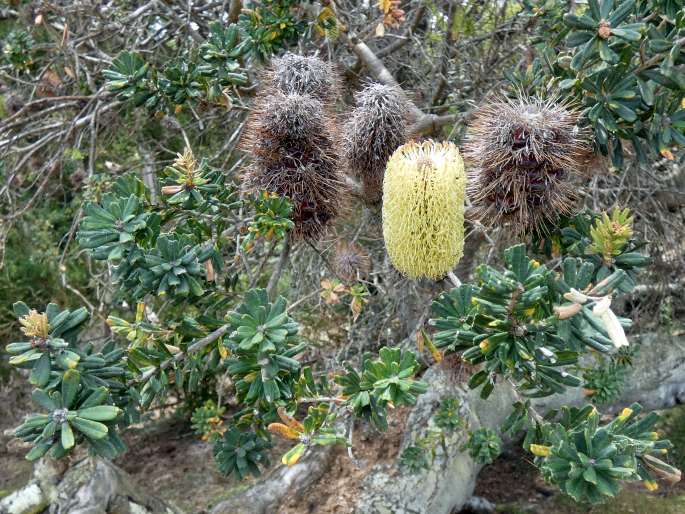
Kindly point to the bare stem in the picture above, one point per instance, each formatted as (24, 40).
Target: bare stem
(454, 279)
(195, 347)
(275, 277)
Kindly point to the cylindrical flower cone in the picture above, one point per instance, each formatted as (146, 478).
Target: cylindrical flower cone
(304, 75)
(423, 209)
(295, 151)
(523, 154)
(351, 261)
(376, 128)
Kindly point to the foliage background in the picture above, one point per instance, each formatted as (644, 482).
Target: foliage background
(65, 138)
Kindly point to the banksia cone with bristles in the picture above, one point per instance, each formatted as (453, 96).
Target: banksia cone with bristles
(524, 153)
(304, 75)
(423, 208)
(351, 261)
(295, 153)
(377, 127)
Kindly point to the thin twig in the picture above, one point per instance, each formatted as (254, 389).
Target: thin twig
(193, 348)
(454, 279)
(276, 275)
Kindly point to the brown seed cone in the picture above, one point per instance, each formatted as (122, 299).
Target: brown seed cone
(304, 75)
(295, 153)
(351, 261)
(524, 155)
(14, 104)
(376, 128)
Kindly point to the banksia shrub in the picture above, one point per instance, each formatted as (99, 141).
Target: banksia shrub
(304, 75)
(295, 153)
(377, 127)
(423, 208)
(524, 153)
(351, 261)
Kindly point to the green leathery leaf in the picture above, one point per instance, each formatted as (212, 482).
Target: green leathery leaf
(99, 413)
(67, 438)
(70, 386)
(89, 428)
(38, 451)
(41, 398)
(40, 374)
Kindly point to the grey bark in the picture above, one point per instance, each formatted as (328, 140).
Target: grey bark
(93, 486)
(267, 494)
(657, 380)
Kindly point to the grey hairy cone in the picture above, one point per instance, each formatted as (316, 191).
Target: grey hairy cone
(304, 75)
(351, 261)
(295, 151)
(376, 128)
(524, 154)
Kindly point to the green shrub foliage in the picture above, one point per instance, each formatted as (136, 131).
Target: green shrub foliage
(186, 314)
(622, 61)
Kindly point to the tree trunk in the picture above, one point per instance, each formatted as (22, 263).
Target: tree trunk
(93, 486)
(266, 495)
(657, 380)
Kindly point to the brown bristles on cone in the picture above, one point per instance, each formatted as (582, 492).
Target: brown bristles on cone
(295, 153)
(376, 128)
(523, 155)
(304, 75)
(351, 261)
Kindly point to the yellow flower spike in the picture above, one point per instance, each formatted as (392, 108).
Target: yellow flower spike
(540, 451)
(625, 414)
(650, 485)
(423, 209)
(484, 345)
(34, 324)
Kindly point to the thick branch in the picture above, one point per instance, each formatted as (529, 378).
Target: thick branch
(423, 123)
(429, 123)
(268, 493)
(656, 381)
(234, 10)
